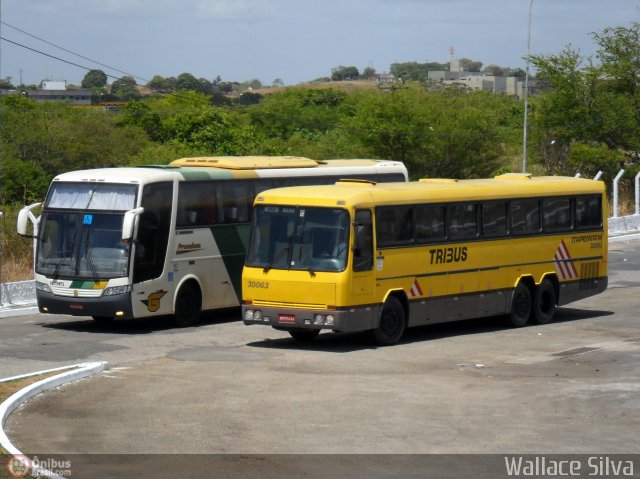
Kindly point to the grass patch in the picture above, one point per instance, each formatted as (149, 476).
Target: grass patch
(16, 252)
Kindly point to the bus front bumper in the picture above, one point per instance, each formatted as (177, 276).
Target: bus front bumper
(116, 306)
(340, 320)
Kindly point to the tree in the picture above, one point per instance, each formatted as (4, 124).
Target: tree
(161, 84)
(495, 70)
(94, 79)
(368, 73)
(186, 81)
(591, 112)
(5, 84)
(125, 88)
(445, 134)
(415, 71)
(470, 65)
(342, 73)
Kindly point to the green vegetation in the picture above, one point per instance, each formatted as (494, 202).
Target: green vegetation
(588, 117)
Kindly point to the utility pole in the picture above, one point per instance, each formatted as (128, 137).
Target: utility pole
(526, 96)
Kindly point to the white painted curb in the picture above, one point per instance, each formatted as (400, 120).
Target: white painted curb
(12, 402)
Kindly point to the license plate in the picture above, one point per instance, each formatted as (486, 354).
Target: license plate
(286, 318)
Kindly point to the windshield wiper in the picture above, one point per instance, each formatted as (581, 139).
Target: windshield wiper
(89, 257)
(67, 255)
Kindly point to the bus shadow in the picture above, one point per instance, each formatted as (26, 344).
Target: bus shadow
(350, 342)
(156, 324)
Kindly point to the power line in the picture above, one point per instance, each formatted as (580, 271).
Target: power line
(52, 56)
(157, 90)
(72, 53)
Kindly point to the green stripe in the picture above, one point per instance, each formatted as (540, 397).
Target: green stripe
(233, 242)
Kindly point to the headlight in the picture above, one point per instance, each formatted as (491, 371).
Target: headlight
(114, 290)
(318, 319)
(330, 320)
(257, 316)
(248, 315)
(44, 287)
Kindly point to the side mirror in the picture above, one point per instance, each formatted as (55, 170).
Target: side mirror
(129, 222)
(24, 216)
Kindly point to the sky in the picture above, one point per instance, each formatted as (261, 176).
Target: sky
(292, 40)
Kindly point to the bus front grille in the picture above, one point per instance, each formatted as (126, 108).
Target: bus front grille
(278, 304)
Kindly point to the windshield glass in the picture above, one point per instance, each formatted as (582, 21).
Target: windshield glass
(300, 238)
(92, 196)
(82, 246)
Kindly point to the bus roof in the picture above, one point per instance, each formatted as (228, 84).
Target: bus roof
(225, 167)
(435, 190)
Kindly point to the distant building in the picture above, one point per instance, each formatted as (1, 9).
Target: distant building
(477, 81)
(57, 91)
(53, 85)
(385, 77)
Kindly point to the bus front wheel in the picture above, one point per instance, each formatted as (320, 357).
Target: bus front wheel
(392, 323)
(544, 302)
(520, 306)
(188, 305)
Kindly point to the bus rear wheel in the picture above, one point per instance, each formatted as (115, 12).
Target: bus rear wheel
(392, 323)
(544, 302)
(520, 306)
(188, 305)
(304, 335)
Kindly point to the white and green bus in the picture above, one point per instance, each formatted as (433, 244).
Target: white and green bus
(162, 240)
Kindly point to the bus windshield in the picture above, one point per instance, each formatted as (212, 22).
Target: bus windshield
(299, 238)
(78, 245)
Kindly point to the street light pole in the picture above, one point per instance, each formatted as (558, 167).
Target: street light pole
(526, 96)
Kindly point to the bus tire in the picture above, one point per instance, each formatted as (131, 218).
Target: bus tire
(520, 306)
(188, 305)
(544, 302)
(304, 335)
(392, 323)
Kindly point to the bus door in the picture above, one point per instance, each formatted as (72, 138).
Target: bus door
(363, 275)
(152, 286)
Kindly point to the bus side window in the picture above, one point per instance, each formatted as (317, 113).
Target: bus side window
(494, 219)
(556, 214)
(234, 201)
(463, 221)
(363, 241)
(588, 212)
(525, 216)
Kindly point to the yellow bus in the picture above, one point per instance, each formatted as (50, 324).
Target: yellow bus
(360, 255)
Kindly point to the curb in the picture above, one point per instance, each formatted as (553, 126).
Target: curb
(16, 399)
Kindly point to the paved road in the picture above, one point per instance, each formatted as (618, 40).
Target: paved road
(472, 387)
